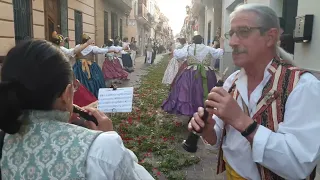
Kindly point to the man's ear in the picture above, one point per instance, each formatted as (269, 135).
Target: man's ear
(272, 37)
(67, 93)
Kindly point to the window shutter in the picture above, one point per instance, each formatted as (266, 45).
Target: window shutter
(106, 27)
(78, 26)
(121, 29)
(22, 19)
(64, 19)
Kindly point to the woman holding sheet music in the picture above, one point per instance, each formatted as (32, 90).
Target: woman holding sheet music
(32, 107)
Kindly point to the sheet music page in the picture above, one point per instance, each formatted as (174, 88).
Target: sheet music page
(113, 101)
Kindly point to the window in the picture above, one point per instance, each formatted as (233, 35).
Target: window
(121, 29)
(22, 19)
(209, 34)
(106, 27)
(114, 25)
(78, 26)
(64, 19)
(135, 8)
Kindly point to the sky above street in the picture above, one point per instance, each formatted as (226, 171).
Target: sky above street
(175, 10)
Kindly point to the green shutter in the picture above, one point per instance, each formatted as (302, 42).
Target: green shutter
(121, 29)
(114, 25)
(64, 19)
(22, 19)
(106, 27)
(78, 26)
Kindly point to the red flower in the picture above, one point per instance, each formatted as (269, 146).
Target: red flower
(178, 124)
(130, 120)
(158, 173)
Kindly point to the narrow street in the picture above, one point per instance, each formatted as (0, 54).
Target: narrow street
(206, 168)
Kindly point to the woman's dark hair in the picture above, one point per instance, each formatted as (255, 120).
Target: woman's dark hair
(109, 43)
(56, 41)
(197, 39)
(287, 43)
(85, 40)
(34, 74)
(182, 40)
(133, 39)
(116, 42)
(125, 39)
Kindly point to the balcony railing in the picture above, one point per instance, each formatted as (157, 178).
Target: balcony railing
(143, 11)
(128, 3)
(142, 2)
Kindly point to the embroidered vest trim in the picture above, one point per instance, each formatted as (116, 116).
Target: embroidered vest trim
(270, 107)
(47, 148)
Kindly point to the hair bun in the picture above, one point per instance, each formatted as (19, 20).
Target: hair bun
(10, 106)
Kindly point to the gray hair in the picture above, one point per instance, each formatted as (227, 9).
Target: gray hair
(266, 17)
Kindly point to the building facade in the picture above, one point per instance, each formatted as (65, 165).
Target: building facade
(140, 23)
(23, 19)
(147, 23)
(112, 19)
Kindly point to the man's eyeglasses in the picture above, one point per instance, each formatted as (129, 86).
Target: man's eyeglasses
(241, 32)
(75, 84)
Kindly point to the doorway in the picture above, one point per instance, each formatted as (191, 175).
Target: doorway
(52, 15)
(209, 34)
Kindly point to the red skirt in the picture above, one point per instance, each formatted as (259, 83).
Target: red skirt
(113, 70)
(83, 97)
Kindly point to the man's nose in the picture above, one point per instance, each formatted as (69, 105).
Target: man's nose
(234, 40)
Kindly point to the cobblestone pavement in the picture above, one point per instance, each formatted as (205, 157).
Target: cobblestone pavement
(206, 168)
(139, 70)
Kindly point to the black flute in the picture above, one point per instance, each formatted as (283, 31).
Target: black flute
(191, 143)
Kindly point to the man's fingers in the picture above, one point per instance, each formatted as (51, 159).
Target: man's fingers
(90, 125)
(211, 104)
(219, 90)
(94, 112)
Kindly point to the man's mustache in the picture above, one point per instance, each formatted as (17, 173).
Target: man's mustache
(239, 51)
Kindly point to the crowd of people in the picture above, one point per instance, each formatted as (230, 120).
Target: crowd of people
(264, 120)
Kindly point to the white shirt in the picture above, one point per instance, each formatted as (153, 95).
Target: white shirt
(201, 52)
(93, 49)
(292, 151)
(68, 52)
(108, 159)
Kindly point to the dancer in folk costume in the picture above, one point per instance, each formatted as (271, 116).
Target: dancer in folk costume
(149, 52)
(266, 116)
(174, 64)
(126, 57)
(82, 97)
(197, 79)
(112, 69)
(86, 70)
(134, 49)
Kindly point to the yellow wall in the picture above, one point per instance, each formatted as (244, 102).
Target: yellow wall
(7, 34)
(101, 7)
(87, 9)
(7, 26)
(38, 19)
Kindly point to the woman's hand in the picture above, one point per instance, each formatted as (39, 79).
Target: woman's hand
(105, 124)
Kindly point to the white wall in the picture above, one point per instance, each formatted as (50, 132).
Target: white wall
(209, 17)
(307, 55)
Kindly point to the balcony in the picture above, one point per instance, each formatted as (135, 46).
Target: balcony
(142, 15)
(123, 5)
(197, 6)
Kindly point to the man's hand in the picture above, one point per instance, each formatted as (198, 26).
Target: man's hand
(227, 109)
(197, 123)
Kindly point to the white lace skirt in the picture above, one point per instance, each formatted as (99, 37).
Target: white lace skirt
(171, 71)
